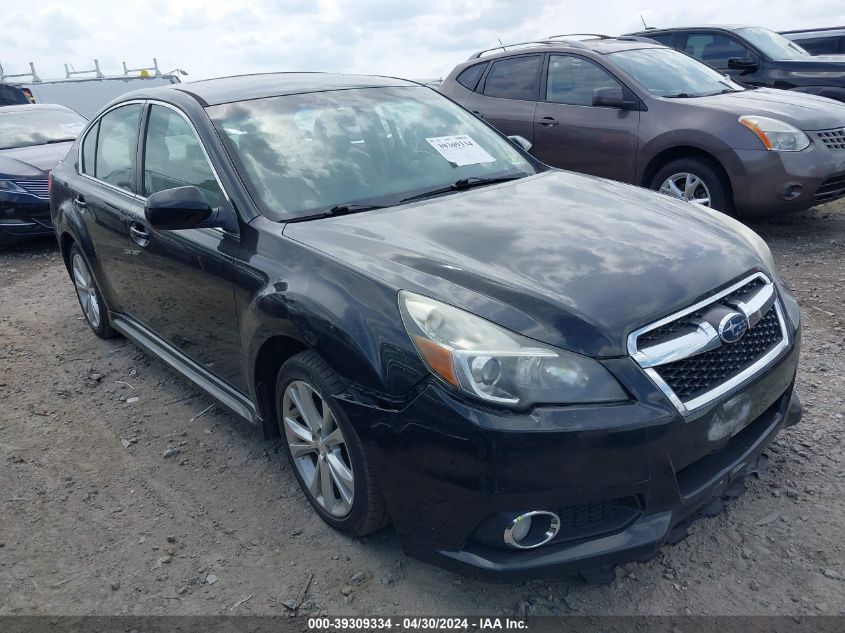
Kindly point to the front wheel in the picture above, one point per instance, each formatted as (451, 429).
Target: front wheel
(694, 180)
(322, 447)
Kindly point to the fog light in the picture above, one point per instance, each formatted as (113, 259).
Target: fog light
(532, 529)
(792, 192)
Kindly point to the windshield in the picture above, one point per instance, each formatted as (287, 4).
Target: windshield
(666, 72)
(772, 45)
(38, 127)
(303, 154)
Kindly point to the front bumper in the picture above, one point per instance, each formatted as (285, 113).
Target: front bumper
(446, 467)
(20, 221)
(771, 182)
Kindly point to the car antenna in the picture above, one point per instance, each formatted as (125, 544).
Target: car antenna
(504, 48)
(642, 19)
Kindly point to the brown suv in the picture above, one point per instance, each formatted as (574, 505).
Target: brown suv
(632, 110)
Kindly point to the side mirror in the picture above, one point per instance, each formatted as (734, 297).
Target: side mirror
(748, 64)
(523, 142)
(179, 208)
(609, 97)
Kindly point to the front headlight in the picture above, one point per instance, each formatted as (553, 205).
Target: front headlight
(491, 363)
(8, 185)
(775, 135)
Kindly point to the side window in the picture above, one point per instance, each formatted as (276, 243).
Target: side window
(469, 76)
(714, 49)
(89, 149)
(116, 145)
(819, 45)
(661, 38)
(173, 157)
(572, 80)
(514, 78)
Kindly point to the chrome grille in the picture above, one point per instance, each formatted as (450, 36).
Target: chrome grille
(38, 188)
(688, 360)
(833, 139)
(693, 376)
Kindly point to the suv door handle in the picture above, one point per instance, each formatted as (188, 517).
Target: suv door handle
(79, 199)
(139, 233)
(548, 121)
(478, 114)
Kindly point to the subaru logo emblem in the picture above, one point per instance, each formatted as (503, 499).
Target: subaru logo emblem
(733, 327)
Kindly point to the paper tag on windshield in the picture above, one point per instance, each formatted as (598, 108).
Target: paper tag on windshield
(460, 150)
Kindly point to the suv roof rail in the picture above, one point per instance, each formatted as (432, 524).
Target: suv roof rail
(506, 47)
(96, 70)
(143, 72)
(637, 38)
(598, 36)
(31, 74)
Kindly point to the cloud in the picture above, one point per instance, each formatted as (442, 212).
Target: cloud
(412, 38)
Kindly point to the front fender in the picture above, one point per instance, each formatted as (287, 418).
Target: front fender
(351, 319)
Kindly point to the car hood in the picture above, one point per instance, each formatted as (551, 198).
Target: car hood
(823, 62)
(805, 111)
(33, 161)
(571, 260)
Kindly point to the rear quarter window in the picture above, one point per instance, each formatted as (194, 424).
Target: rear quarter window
(89, 149)
(469, 76)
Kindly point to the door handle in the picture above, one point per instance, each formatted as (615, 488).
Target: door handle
(139, 234)
(79, 199)
(548, 121)
(478, 114)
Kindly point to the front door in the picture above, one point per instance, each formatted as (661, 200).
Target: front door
(185, 276)
(571, 133)
(715, 48)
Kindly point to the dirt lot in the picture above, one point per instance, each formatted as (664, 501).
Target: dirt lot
(98, 516)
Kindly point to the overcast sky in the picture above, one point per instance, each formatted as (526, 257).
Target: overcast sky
(404, 38)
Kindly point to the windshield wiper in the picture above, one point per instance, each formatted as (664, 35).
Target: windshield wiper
(463, 183)
(339, 209)
(680, 95)
(60, 140)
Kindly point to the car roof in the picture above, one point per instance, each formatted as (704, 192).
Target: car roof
(28, 107)
(258, 86)
(816, 31)
(601, 45)
(697, 27)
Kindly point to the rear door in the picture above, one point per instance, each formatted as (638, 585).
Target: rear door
(508, 93)
(571, 133)
(185, 276)
(105, 195)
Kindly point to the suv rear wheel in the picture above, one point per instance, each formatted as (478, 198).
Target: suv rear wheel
(694, 180)
(326, 455)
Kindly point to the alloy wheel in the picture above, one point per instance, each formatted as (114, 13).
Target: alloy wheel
(83, 280)
(318, 447)
(686, 186)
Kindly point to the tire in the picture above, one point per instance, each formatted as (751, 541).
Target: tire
(366, 512)
(87, 288)
(712, 180)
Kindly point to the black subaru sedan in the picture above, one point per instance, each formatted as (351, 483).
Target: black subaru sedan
(33, 138)
(527, 371)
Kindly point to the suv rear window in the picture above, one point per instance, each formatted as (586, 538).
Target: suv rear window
(514, 78)
(470, 76)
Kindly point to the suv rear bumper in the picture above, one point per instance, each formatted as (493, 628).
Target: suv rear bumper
(447, 467)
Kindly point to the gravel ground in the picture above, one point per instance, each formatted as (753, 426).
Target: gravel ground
(123, 491)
